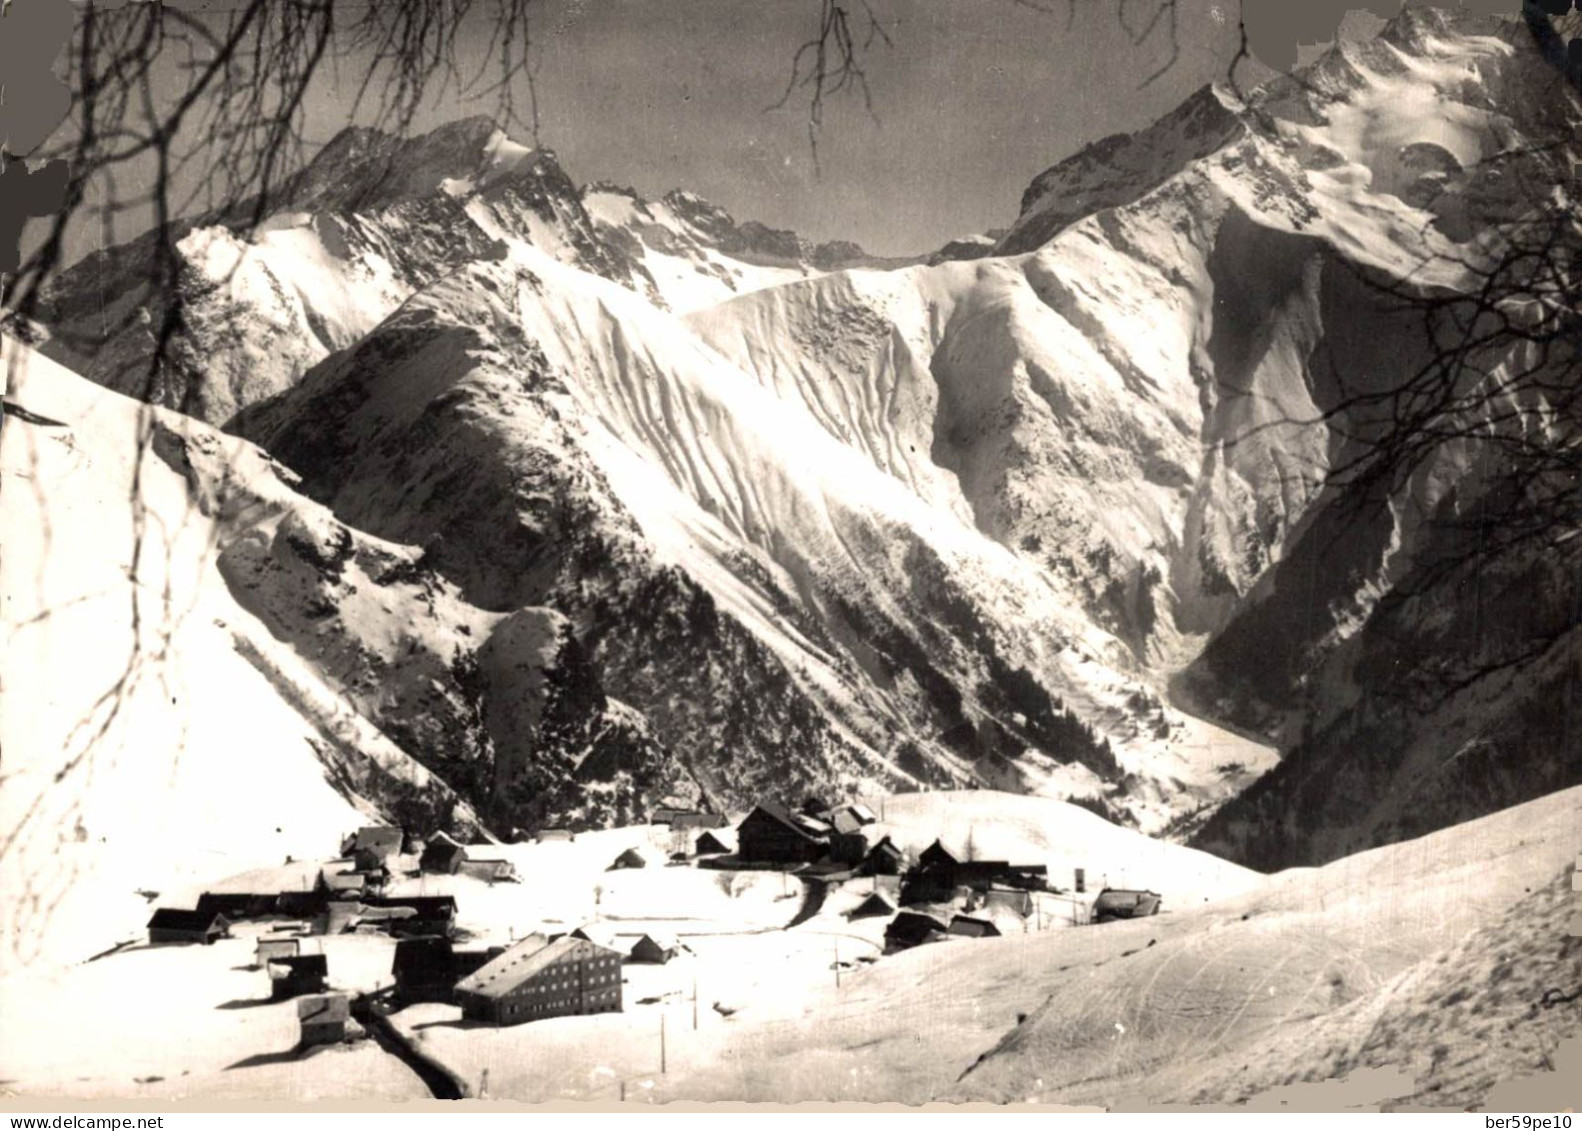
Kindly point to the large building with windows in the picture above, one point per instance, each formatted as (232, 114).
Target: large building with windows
(536, 979)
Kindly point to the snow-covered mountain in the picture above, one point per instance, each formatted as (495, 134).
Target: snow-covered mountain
(785, 518)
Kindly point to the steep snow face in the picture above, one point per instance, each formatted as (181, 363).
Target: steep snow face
(1147, 405)
(128, 664)
(598, 449)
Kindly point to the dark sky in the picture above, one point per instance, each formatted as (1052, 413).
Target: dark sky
(974, 99)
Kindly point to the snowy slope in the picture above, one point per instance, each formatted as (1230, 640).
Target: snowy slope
(698, 255)
(127, 667)
(1126, 1015)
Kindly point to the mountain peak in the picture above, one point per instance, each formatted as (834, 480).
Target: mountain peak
(363, 168)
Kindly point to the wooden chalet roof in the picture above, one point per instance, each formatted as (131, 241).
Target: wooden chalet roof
(973, 928)
(888, 847)
(805, 827)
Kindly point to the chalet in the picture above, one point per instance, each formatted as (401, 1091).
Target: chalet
(655, 948)
(709, 844)
(491, 871)
(295, 975)
(666, 814)
(872, 907)
(697, 820)
(427, 968)
(276, 946)
(172, 925)
(380, 841)
(848, 847)
(423, 914)
(964, 926)
(1017, 900)
(631, 858)
(326, 1019)
(1125, 903)
(883, 859)
(912, 928)
(769, 833)
(937, 855)
(442, 856)
(535, 979)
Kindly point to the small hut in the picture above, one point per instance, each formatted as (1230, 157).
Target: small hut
(442, 856)
(1125, 903)
(710, 843)
(173, 925)
(655, 947)
(276, 946)
(631, 858)
(874, 906)
(326, 1019)
(913, 928)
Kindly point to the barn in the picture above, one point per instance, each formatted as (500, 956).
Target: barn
(442, 856)
(698, 820)
(535, 979)
(1125, 903)
(631, 858)
(294, 975)
(769, 833)
(709, 844)
(172, 925)
(655, 947)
